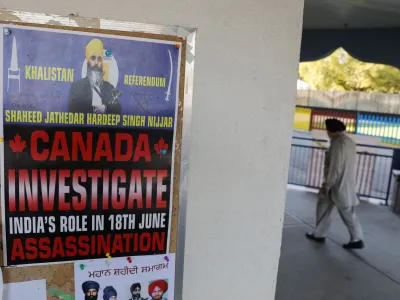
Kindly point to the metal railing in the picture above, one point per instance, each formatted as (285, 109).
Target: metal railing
(373, 170)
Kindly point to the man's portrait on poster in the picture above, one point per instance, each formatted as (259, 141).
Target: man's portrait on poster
(136, 290)
(157, 289)
(94, 94)
(109, 293)
(90, 290)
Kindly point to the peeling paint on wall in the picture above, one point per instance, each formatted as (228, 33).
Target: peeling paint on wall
(8, 16)
(55, 23)
(74, 20)
(85, 22)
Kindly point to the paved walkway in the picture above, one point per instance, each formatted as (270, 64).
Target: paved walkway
(309, 271)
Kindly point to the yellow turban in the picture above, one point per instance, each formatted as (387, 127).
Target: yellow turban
(95, 47)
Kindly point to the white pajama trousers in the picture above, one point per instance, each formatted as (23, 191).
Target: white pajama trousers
(325, 207)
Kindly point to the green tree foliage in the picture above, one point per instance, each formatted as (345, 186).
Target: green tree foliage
(341, 72)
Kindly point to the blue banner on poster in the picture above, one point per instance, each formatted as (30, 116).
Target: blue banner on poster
(67, 78)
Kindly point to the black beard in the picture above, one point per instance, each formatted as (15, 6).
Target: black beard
(135, 297)
(91, 297)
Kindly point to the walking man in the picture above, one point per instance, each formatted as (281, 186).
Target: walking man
(339, 187)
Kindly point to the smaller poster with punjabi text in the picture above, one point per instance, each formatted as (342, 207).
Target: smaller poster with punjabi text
(136, 278)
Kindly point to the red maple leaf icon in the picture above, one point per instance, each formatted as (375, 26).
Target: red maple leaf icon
(17, 145)
(161, 147)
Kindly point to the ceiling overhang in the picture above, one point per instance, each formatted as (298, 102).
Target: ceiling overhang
(369, 30)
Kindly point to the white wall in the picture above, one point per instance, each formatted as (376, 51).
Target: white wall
(244, 95)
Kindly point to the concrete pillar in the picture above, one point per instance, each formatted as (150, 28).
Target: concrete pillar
(247, 55)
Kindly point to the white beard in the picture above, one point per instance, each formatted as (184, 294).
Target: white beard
(96, 77)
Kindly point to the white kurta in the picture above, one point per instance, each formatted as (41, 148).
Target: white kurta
(96, 100)
(340, 171)
(340, 182)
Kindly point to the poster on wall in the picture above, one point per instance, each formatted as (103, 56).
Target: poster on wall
(142, 278)
(89, 123)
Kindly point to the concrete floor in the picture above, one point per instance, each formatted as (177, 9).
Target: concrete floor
(309, 271)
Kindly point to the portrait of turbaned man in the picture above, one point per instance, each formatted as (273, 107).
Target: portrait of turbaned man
(94, 94)
(91, 290)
